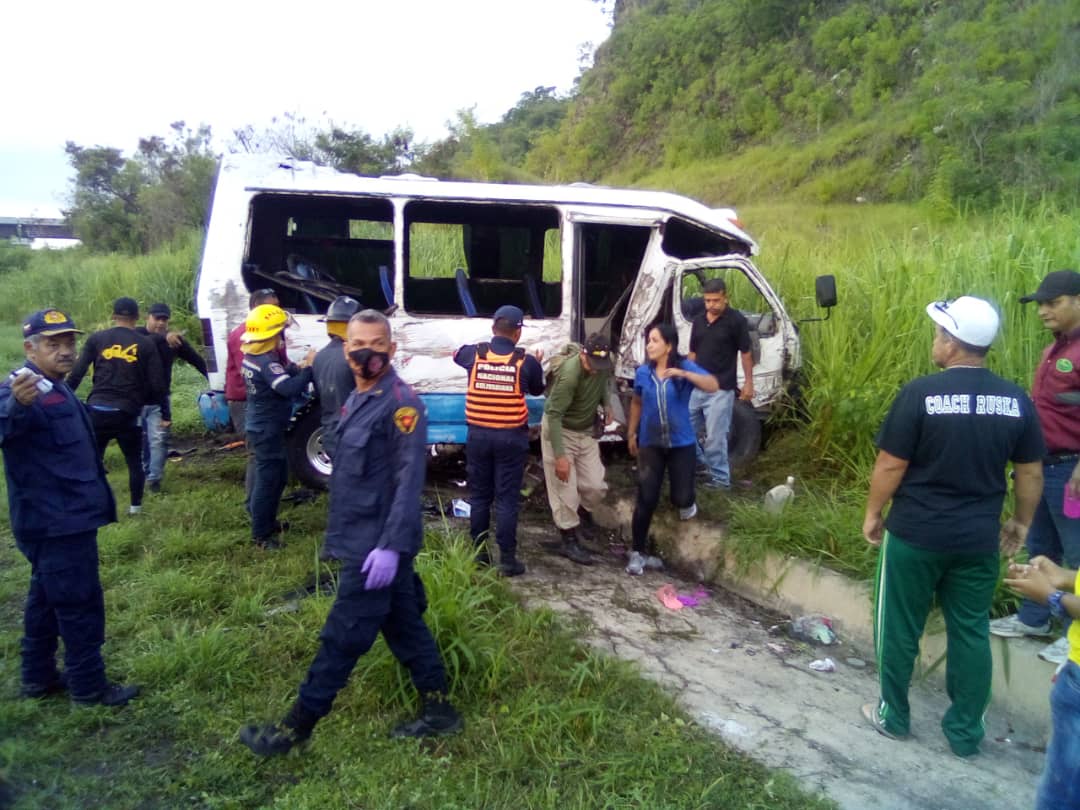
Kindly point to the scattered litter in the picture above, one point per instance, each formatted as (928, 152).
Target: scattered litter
(779, 649)
(462, 508)
(232, 445)
(815, 629)
(288, 607)
(726, 726)
(751, 651)
(779, 496)
(823, 665)
(735, 645)
(461, 483)
(855, 663)
(687, 600)
(174, 453)
(668, 597)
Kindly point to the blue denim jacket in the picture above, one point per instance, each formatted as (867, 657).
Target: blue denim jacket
(378, 474)
(56, 483)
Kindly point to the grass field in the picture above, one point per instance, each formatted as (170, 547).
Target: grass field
(220, 634)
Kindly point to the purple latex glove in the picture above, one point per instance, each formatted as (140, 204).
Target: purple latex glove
(380, 567)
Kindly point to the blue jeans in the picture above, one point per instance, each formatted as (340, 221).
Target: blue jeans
(1060, 784)
(711, 414)
(65, 602)
(155, 443)
(271, 475)
(1052, 534)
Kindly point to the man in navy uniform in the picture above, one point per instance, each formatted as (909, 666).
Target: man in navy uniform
(271, 388)
(58, 498)
(497, 446)
(331, 371)
(375, 528)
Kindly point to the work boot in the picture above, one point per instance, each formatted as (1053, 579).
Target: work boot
(269, 542)
(114, 694)
(510, 565)
(438, 718)
(38, 691)
(482, 556)
(572, 549)
(280, 738)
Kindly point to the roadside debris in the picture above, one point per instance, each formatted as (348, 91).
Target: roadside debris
(779, 496)
(461, 507)
(823, 665)
(815, 629)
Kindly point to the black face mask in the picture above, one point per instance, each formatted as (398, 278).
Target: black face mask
(370, 362)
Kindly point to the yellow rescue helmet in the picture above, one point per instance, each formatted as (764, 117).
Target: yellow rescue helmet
(263, 322)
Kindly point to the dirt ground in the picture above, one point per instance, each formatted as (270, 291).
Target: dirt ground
(756, 691)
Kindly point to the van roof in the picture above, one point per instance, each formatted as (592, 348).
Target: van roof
(279, 174)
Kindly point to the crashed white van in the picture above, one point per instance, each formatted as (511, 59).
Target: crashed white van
(439, 257)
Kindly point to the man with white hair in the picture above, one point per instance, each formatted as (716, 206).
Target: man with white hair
(942, 454)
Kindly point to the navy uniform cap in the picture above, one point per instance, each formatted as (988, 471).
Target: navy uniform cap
(511, 314)
(48, 322)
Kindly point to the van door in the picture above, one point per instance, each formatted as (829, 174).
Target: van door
(774, 343)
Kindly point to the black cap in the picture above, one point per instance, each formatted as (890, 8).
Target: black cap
(598, 349)
(125, 307)
(511, 314)
(1058, 283)
(48, 322)
(160, 310)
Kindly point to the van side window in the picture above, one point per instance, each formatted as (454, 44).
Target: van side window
(470, 259)
(313, 249)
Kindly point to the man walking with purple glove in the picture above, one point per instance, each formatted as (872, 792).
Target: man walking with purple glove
(375, 529)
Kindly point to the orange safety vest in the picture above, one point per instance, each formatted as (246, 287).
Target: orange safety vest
(494, 398)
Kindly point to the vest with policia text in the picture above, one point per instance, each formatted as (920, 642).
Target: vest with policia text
(494, 398)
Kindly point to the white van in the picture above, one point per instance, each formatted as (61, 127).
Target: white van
(439, 257)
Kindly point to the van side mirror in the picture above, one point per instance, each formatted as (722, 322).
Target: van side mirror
(825, 291)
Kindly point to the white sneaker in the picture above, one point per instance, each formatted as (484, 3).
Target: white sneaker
(134, 510)
(653, 563)
(688, 512)
(1012, 627)
(636, 566)
(1056, 653)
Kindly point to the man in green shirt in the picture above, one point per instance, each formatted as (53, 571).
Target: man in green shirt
(573, 470)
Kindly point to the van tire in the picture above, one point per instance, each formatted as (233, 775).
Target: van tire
(307, 460)
(744, 436)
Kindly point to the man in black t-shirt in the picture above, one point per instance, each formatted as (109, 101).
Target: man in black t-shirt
(127, 375)
(942, 454)
(717, 338)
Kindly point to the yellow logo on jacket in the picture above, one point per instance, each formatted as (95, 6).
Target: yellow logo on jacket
(405, 419)
(129, 354)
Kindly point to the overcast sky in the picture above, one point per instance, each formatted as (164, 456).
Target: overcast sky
(111, 71)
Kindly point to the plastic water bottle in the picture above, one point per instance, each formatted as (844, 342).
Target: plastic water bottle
(777, 497)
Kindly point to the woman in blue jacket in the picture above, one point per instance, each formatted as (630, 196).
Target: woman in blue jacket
(660, 434)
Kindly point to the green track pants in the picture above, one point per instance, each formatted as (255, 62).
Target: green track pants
(908, 578)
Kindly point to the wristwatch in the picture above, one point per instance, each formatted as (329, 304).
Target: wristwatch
(1057, 610)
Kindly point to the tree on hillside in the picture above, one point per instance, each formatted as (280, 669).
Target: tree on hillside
(136, 204)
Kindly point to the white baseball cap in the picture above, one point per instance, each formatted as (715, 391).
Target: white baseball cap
(968, 319)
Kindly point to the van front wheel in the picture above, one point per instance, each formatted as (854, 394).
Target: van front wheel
(744, 437)
(307, 459)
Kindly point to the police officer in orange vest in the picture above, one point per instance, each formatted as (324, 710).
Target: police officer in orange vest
(497, 447)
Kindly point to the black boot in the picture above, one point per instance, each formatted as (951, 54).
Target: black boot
(572, 548)
(510, 565)
(280, 738)
(482, 556)
(438, 718)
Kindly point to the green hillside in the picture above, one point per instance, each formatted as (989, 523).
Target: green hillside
(828, 100)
